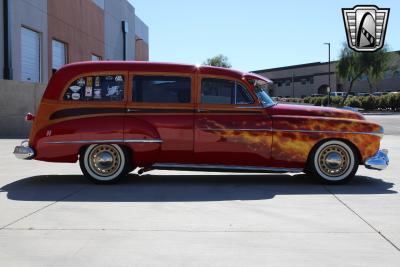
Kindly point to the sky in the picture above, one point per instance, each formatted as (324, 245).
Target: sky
(253, 34)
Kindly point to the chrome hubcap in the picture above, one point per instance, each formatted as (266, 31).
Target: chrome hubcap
(334, 160)
(104, 160)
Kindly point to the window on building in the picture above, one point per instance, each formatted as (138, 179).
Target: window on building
(96, 88)
(95, 57)
(279, 84)
(161, 89)
(59, 55)
(219, 91)
(303, 81)
(287, 83)
(30, 55)
(311, 80)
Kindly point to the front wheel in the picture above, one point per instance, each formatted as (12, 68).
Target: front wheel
(104, 163)
(333, 162)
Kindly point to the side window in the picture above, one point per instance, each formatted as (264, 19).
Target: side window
(161, 89)
(96, 88)
(219, 91)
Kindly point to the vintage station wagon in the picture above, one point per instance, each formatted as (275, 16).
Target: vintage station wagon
(116, 116)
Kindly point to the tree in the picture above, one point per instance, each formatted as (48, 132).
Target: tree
(218, 61)
(352, 65)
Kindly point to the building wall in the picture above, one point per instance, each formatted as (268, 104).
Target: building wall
(79, 24)
(319, 74)
(115, 11)
(141, 40)
(33, 15)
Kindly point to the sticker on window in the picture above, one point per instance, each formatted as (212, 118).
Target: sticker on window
(96, 88)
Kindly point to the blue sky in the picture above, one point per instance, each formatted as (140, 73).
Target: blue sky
(253, 34)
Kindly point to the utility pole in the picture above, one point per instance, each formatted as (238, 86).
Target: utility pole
(329, 73)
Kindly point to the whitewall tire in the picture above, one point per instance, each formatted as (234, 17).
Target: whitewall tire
(334, 162)
(104, 163)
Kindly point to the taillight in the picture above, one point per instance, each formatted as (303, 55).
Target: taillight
(29, 117)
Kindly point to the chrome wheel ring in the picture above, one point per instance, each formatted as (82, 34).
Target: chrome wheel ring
(334, 160)
(104, 160)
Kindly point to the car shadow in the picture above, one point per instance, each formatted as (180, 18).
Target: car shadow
(179, 188)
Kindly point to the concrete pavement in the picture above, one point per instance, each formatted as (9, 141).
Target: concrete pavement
(51, 216)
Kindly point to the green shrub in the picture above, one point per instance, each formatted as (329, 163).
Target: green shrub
(369, 102)
(353, 101)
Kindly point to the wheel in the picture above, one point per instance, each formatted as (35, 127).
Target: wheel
(104, 163)
(334, 162)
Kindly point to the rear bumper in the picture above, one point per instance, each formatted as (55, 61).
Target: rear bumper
(24, 151)
(379, 161)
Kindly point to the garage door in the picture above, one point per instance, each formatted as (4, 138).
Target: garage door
(30, 55)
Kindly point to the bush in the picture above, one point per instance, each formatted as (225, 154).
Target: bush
(353, 101)
(369, 102)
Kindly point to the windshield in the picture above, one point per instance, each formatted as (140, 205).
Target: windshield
(261, 89)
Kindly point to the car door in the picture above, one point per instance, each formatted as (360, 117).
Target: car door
(159, 119)
(231, 125)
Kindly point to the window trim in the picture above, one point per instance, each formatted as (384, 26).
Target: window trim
(66, 50)
(40, 34)
(202, 77)
(101, 73)
(191, 76)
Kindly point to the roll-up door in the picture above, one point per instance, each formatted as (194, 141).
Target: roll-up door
(30, 55)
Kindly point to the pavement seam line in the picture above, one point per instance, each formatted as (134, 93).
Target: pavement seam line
(364, 220)
(40, 209)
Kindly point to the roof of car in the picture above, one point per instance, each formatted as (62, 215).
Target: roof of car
(70, 71)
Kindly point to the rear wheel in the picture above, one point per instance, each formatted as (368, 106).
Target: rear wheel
(104, 163)
(334, 162)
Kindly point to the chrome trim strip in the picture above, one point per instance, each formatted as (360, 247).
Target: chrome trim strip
(332, 132)
(222, 167)
(231, 129)
(298, 131)
(253, 107)
(106, 141)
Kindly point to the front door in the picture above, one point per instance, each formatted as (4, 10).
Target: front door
(231, 126)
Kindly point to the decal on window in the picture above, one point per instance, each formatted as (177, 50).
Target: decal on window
(96, 88)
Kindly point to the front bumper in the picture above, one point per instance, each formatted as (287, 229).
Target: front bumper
(24, 151)
(379, 161)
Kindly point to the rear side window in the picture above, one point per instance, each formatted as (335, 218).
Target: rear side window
(219, 91)
(161, 89)
(96, 88)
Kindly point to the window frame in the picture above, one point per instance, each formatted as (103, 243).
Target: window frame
(40, 35)
(250, 93)
(191, 76)
(65, 53)
(102, 73)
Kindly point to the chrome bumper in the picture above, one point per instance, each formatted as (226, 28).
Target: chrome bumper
(379, 161)
(24, 151)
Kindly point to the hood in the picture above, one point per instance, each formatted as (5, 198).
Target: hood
(303, 110)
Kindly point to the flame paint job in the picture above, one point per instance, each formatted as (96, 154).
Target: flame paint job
(192, 133)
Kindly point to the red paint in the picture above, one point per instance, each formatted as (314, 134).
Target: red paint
(247, 135)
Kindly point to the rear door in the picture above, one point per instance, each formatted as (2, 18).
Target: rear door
(161, 110)
(231, 126)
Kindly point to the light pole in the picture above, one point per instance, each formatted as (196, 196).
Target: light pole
(329, 72)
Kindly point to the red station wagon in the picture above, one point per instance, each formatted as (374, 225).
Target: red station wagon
(116, 116)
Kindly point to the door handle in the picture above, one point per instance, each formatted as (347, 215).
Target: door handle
(200, 110)
(131, 110)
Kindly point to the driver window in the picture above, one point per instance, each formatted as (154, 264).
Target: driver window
(220, 91)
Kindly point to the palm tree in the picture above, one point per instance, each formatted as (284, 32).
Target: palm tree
(352, 65)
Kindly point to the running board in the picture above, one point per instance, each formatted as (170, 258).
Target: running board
(221, 168)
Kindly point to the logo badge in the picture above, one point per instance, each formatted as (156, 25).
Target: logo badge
(365, 27)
